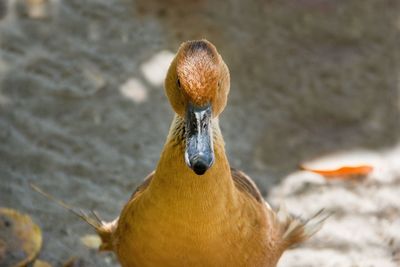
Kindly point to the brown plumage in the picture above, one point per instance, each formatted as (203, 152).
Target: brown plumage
(217, 218)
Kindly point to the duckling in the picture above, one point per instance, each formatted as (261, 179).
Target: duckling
(194, 209)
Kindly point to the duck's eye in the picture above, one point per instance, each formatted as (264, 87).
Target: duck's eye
(178, 83)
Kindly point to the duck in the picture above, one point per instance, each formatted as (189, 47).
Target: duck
(194, 209)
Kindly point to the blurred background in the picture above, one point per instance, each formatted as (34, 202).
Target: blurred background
(83, 112)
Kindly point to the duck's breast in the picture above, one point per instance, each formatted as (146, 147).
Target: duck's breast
(151, 235)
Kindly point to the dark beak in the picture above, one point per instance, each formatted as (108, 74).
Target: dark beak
(199, 153)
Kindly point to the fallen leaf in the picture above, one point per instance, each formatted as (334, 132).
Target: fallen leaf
(20, 238)
(343, 172)
(343, 165)
(91, 241)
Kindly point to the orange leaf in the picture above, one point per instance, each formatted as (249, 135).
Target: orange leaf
(342, 172)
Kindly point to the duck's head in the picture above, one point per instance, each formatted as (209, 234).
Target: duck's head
(197, 86)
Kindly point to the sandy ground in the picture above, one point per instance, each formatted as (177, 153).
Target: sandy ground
(83, 113)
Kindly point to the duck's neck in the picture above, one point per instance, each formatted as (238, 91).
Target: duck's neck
(175, 180)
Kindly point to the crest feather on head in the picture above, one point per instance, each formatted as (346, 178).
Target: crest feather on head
(198, 70)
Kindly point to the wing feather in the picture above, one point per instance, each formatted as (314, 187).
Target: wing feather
(245, 184)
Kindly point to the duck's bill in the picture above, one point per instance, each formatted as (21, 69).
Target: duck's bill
(199, 153)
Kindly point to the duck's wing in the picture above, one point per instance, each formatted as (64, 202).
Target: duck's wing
(293, 229)
(142, 186)
(245, 184)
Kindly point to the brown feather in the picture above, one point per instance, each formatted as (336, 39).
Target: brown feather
(245, 184)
